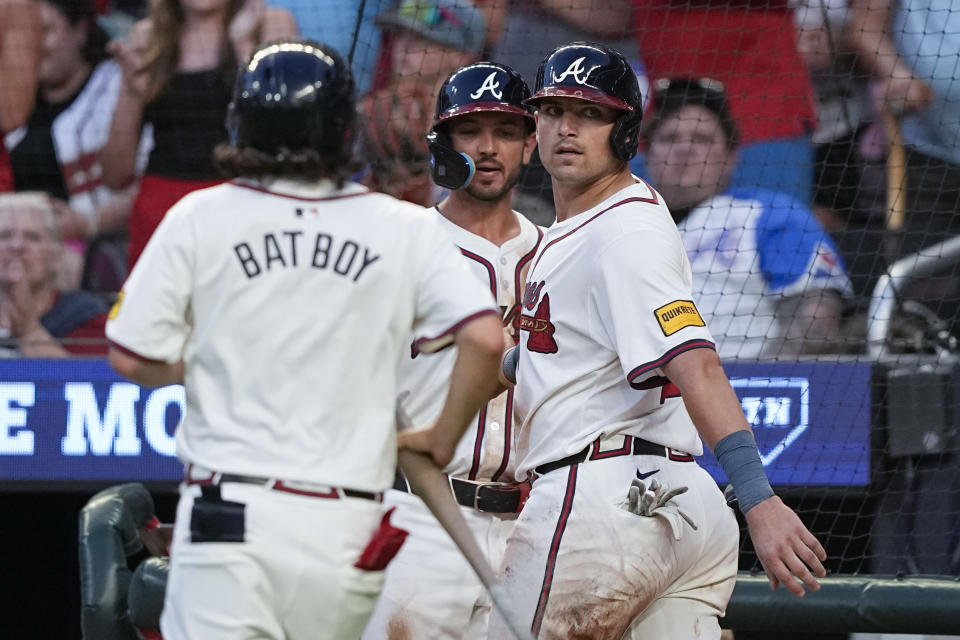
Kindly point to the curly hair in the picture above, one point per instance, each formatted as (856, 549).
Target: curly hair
(298, 164)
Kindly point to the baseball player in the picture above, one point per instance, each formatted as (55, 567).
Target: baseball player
(482, 135)
(623, 534)
(284, 300)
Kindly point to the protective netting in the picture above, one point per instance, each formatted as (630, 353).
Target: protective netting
(808, 149)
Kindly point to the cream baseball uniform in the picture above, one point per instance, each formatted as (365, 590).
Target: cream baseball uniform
(430, 590)
(290, 304)
(607, 304)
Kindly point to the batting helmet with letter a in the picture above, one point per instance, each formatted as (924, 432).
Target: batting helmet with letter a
(293, 94)
(596, 73)
(482, 86)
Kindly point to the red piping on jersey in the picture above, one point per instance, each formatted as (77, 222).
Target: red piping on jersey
(555, 549)
(415, 347)
(134, 354)
(689, 345)
(507, 429)
(478, 443)
(491, 272)
(518, 291)
(594, 217)
(301, 198)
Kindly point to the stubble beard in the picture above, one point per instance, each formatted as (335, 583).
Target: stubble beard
(504, 192)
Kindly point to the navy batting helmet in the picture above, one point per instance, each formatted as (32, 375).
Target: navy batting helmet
(482, 86)
(596, 73)
(293, 94)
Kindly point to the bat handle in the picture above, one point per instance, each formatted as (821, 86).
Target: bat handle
(896, 172)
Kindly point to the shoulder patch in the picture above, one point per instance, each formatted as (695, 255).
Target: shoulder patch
(115, 309)
(677, 315)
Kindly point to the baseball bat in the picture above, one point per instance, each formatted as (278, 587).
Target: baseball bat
(896, 171)
(428, 482)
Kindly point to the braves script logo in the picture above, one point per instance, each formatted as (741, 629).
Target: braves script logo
(575, 69)
(490, 85)
(538, 325)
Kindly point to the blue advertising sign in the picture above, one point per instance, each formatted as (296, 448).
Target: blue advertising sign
(811, 421)
(76, 420)
(64, 421)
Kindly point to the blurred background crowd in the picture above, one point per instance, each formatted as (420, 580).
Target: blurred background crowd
(804, 146)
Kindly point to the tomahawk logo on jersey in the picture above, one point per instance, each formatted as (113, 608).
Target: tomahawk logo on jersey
(538, 325)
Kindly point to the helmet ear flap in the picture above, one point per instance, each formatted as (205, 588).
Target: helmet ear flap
(451, 169)
(625, 136)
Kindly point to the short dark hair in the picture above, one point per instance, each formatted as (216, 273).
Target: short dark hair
(76, 11)
(673, 94)
(299, 164)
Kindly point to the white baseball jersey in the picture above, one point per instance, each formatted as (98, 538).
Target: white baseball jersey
(592, 349)
(486, 450)
(430, 591)
(607, 304)
(748, 249)
(291, 307)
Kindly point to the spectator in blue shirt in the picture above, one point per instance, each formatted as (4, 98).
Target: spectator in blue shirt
(766, 276)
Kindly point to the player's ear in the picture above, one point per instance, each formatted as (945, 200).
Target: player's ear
(528, 146)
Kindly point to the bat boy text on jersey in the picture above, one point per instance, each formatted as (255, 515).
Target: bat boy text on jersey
(292, 248)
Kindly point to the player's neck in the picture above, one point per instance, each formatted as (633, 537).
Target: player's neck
(493, 221)
(571, 199)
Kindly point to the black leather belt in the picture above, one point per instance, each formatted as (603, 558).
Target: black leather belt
(311, 490)
(490, 497)
(637, 447)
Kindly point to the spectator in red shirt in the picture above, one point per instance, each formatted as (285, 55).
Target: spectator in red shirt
(748, 45)
(36, 319)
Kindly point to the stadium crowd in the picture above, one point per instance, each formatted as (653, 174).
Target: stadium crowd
(112, 109)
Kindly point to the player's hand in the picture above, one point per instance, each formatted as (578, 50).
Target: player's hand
(785, 547)
(424, 440)
(644, 500)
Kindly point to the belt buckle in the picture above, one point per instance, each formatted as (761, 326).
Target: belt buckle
(476, 492)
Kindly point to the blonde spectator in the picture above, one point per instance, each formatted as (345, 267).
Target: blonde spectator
(35, 316)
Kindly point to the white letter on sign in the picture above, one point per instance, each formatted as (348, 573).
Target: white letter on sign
(116, 433)
(15, 417)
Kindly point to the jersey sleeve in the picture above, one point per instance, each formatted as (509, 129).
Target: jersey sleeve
(642, 301)
(796, 254)
(150, 317)
(448, 295)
